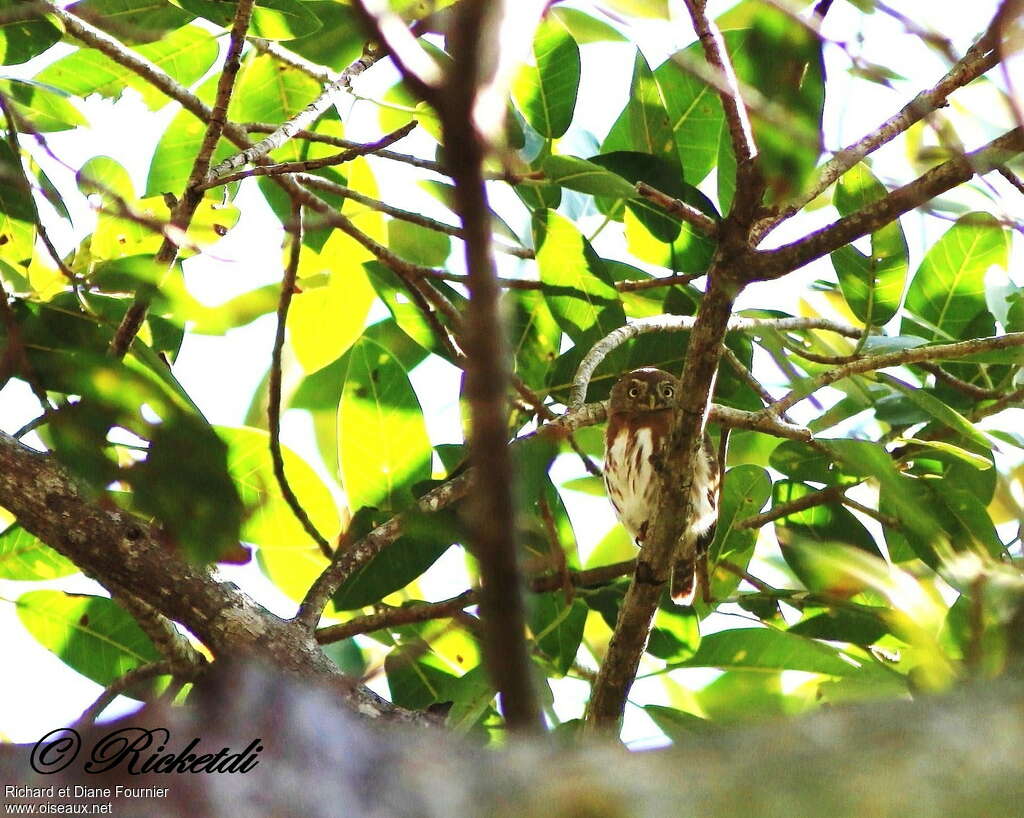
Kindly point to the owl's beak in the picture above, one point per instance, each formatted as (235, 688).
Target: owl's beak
(653, 400)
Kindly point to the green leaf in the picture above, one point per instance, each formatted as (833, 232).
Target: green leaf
(424, 538)
(382, 438)
(770, 650)
(941, 411)
(416, 679)
(862, 458)
(545, 90)
(974, 460)
(800, 461)
(872, 284)
(948, 290)
(694, 112)
(325, 321)
(678, 725)
(417, 244)
(287, 555)
(859, 625)
(643, 125)
(534, 335)
(557, 628)
(133, 21)
(781, 58)
(185, 54)
(17, 210)
(339, 40)
(91, 634)
(586, 177)
(24, 556)
(271, 19)
(827, 523)
(580, 292)
(106, 178)
(586, 29)
(23, 37)
(42, 108)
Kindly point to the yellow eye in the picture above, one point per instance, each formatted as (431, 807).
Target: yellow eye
(634, 391)
(668, 390)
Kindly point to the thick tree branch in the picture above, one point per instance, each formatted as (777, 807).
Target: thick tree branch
(764, 265)
(123, 552)
(676, 474)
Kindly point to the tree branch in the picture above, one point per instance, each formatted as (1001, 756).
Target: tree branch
(274, 385)
(979, 59)
(741, 134)
(937, 352)
(426, 611)
(314, 164)
(681, 210)
(124, 552)
(683, 323)
(190, 199)
(764, 265)
(676, 473)
(306, 116)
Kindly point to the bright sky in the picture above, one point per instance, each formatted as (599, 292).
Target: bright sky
(221, 373)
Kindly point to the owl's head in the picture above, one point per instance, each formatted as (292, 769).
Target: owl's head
(644, 390)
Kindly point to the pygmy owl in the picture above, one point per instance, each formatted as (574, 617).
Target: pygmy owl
(639, 424)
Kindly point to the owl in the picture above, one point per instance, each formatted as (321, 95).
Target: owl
(639, 424)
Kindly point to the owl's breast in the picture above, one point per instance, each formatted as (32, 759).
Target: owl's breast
(630, 478)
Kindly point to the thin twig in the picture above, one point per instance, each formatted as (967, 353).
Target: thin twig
(306, 116)
(274, 386)
(307, 165)
(937, 352)
(423, 612)
(817, 498)
(190, 199)
(679, 209)
(679, 323)
(319, 183)
(142, 673)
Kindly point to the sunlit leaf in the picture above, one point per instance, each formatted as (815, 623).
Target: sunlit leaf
(271, 19)
(24, 37)
(872, 283)
(767, 649)
(91, 634)
(287, 553)
(26, 557)
(948, 289)
(185, 54)
(557, 628)
(545, 90)
(382, 439)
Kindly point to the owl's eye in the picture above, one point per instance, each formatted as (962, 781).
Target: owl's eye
(667, 390)
(634, 391)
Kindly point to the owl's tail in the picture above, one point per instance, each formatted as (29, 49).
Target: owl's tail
(684, 583)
